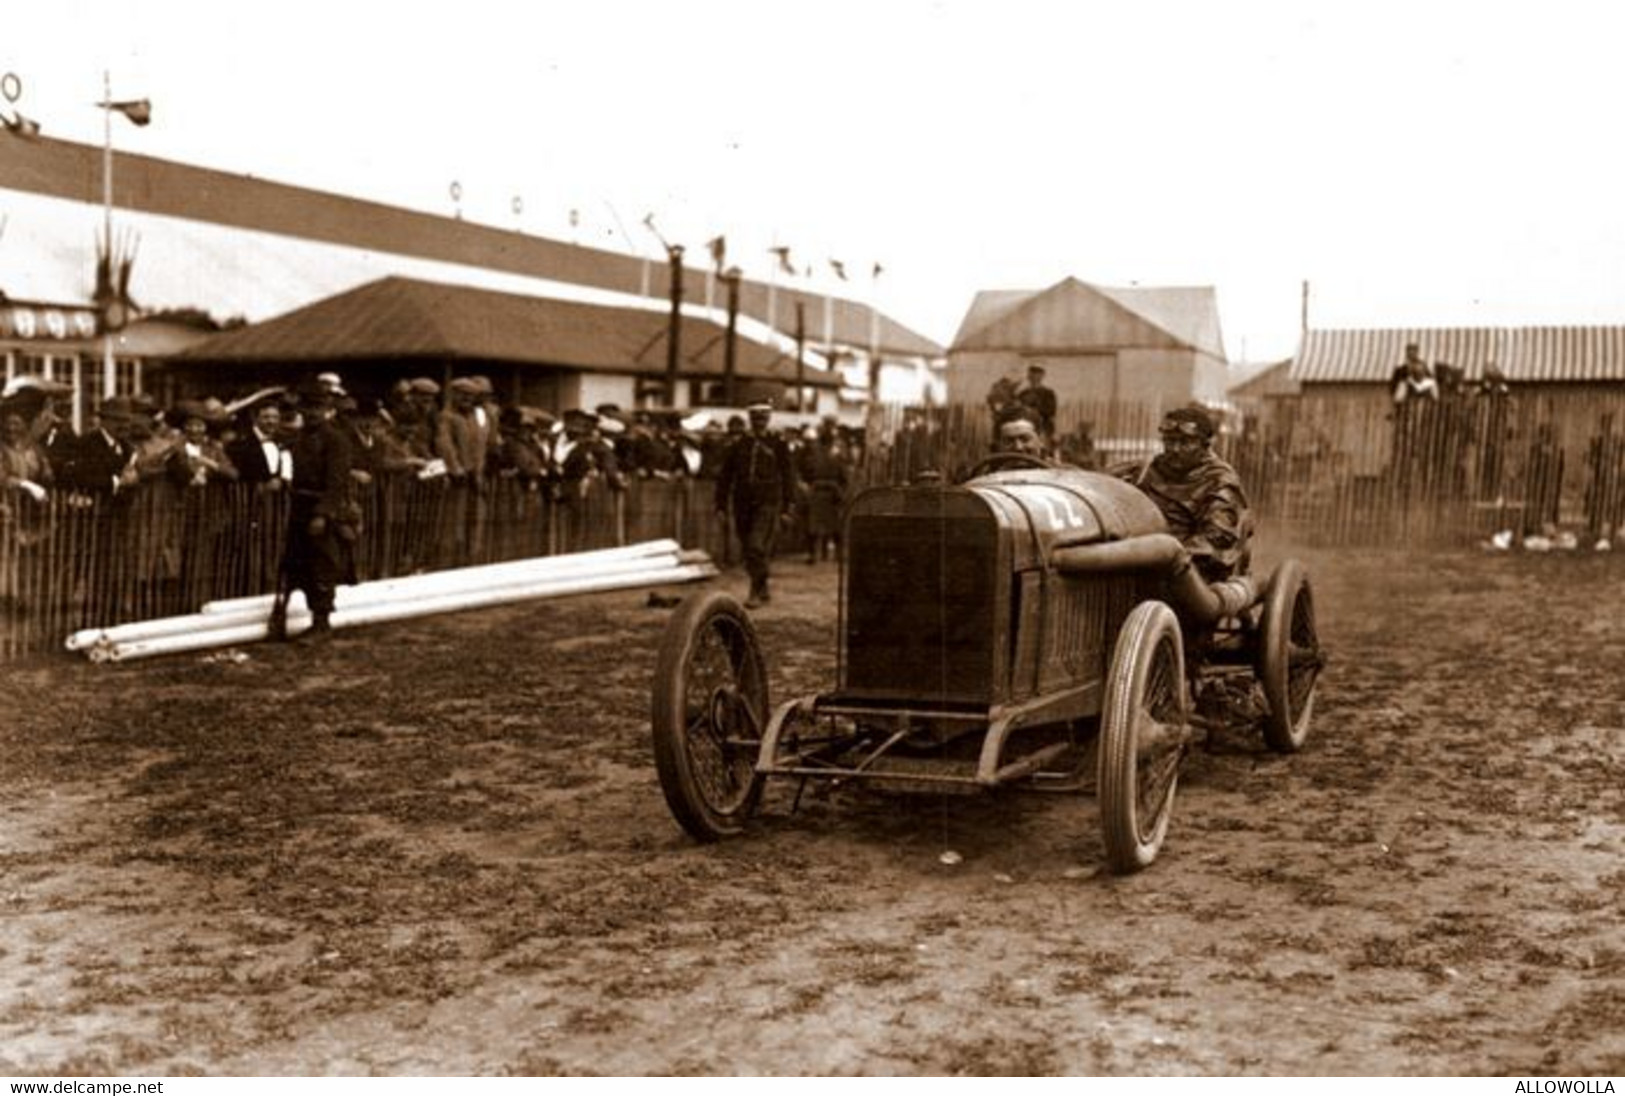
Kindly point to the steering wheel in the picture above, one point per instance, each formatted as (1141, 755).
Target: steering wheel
(1007, 462)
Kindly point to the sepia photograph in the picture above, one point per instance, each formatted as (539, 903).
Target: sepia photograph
(722, 539)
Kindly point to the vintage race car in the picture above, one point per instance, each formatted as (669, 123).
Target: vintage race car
(1033, 626)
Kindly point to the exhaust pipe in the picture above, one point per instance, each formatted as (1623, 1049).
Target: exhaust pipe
(1193, 597)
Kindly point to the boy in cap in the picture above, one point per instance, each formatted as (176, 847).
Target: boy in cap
(1199, 494)
(758, 482)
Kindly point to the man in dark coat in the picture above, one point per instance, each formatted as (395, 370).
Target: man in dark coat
(1199, 494)
(758, 482)
(102, 457)
(257, 453)
(1039, 400)
(323, 520)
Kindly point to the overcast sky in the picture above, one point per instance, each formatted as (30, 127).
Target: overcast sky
(1420, 164)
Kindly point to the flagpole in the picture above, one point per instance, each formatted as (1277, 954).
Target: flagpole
(874, 314)
(772, 295)
(109, 369)
(773, 287)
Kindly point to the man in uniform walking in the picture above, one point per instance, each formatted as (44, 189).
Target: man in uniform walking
(322, 516)
(758, 481)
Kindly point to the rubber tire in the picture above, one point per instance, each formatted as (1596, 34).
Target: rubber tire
(1288, 607)
(699, 613)
(1150, 635)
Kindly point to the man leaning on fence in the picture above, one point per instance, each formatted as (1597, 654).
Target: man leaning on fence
(758, 482)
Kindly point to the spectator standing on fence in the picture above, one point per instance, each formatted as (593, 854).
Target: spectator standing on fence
(323, 520)
(757, 485)
(1605, 486)
(1543, 483)
(1491, 403)
(1039, 400)
(1447, 457)
(1415, 394)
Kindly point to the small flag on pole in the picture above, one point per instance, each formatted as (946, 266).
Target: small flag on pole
(879, 270)
(839, 268)
(138, 111)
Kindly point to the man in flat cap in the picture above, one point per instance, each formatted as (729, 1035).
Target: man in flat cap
(323, 520)
(1039, 400)
(464, 437)
(758, 482)
(1199, 494)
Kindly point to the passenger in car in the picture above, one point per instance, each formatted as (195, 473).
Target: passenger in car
(1199, 494)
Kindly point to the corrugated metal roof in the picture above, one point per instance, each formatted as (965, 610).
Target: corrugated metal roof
(1188, 315)
(395, 318)
(1527, 354)
(202, 198)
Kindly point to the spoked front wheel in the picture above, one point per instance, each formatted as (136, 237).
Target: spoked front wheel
(1142, 736)
(1289, 658)
(709, 711)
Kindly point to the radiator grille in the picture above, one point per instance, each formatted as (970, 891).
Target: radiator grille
(920, 602)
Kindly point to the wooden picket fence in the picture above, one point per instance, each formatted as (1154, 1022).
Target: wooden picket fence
(1318, 472)
(1342, 471)
(72, 563)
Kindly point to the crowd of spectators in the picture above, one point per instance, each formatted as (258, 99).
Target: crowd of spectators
(1457, 439)
(462, 441)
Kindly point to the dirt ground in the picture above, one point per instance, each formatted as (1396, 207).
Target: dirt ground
(440, 847)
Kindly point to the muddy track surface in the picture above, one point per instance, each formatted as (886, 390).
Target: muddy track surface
(441, 847)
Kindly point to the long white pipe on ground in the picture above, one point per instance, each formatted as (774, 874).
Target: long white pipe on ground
(460, 577)
(206, 635)
(353, 597)
(612, 560)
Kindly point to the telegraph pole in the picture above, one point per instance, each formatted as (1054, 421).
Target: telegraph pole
(801, 357)
(674, 259)
(730, 279)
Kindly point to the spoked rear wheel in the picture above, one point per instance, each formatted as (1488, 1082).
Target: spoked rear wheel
(1289, 657)
(1142, 736)
(709, 711)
